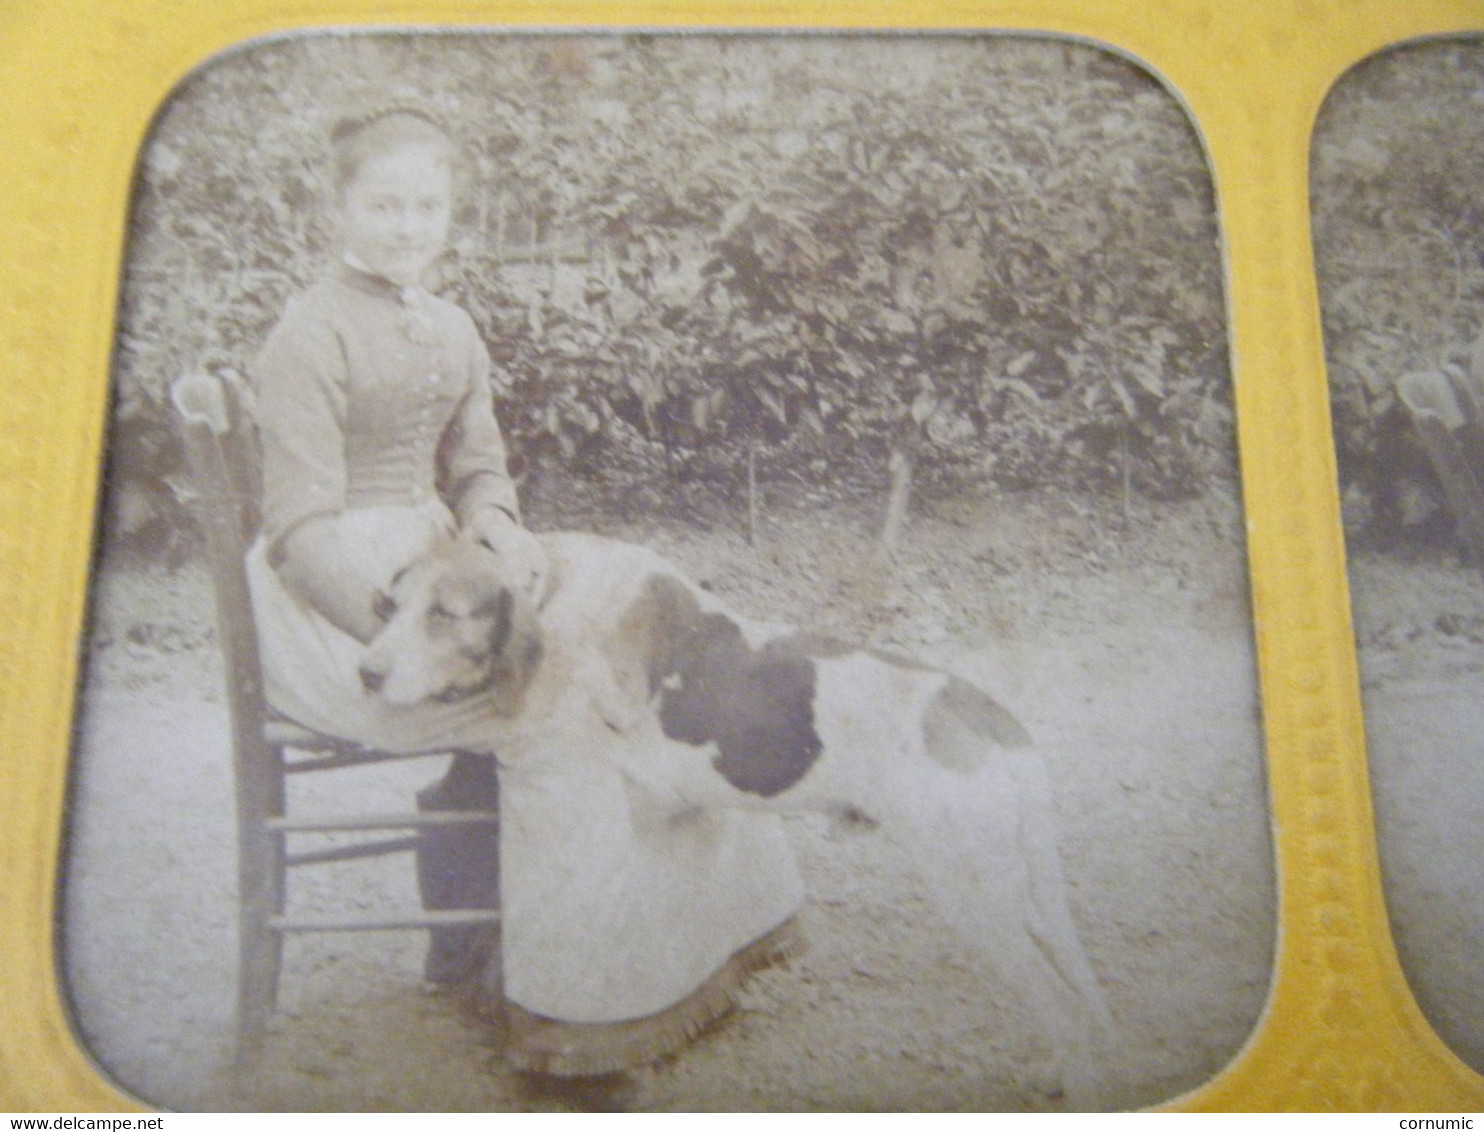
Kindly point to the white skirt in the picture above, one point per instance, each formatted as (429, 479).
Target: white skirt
(615, 908)
(311, 669)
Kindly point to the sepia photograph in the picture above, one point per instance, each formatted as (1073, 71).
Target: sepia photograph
(1398, 195)
(681, 572)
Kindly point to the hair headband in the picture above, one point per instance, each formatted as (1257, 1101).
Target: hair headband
(352, 124)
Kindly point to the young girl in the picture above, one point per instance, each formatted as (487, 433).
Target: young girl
(378, 434)
(378, 437)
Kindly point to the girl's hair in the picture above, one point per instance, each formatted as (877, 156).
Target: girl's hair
(357, 137)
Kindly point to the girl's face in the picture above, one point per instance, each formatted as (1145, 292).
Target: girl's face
(394, 212)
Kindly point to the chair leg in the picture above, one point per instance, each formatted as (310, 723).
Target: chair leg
(260, 948)
(491, 991)
(261, 882)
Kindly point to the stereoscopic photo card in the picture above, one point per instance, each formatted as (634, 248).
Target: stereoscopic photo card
(1397, 245)
(632, 558)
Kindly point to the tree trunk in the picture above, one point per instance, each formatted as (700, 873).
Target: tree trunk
(751, 494)
(900, 464)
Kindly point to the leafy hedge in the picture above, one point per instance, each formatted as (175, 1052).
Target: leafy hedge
(995, 256)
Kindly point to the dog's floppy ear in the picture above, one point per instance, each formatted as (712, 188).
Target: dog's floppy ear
(644, 647)
(508, 617)
(661, 624)
(515, 642)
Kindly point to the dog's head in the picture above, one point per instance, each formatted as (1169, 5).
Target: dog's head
(454, 629)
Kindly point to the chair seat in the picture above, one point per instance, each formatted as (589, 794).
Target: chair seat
(281, 732)
(328, 752)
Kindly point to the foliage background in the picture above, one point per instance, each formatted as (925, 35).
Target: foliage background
(993, 260)
(1398, 199)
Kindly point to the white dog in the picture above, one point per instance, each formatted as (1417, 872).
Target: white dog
(705, 709)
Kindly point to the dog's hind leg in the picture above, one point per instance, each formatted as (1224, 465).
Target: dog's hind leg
(1053, 932)
(984, 836)
(1051, 924)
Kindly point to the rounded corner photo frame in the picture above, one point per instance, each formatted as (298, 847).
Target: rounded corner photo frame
(1340, 1029)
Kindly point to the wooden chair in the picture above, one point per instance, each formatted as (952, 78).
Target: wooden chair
(221, 451)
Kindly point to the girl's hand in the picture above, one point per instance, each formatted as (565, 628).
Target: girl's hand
(520, 550)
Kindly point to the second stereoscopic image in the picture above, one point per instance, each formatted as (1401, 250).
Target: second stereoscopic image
(1398, 191)
(669, 572)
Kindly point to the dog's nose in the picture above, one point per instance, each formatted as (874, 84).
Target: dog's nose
(372, 680)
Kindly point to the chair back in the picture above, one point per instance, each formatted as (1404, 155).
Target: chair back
(221, 454)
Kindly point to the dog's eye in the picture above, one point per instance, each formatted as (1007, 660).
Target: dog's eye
(383, 605)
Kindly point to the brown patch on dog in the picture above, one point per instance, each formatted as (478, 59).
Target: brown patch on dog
(755, 705)
(962, 721)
